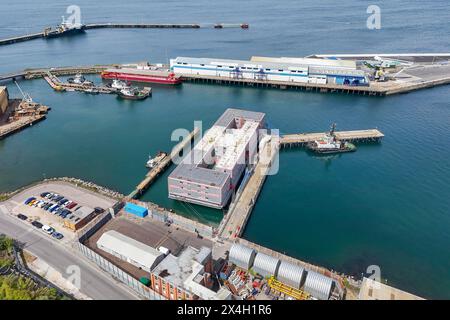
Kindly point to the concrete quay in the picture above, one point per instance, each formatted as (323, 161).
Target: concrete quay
(301, 139)
(239, 212)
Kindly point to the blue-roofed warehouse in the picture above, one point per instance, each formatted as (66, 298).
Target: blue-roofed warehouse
(136, 210)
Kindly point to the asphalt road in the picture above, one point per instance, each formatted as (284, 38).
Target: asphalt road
(94, 283)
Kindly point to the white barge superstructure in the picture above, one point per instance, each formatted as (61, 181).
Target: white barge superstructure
(209, 174)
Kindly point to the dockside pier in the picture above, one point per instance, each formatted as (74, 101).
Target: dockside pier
(162, 165)
(301, 139)
(234, 222)
(58, 85)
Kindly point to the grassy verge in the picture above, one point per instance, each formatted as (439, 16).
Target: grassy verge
(18, 287)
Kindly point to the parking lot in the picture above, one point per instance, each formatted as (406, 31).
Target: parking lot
(66, 200)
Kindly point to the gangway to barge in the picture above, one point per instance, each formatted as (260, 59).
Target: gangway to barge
(287, 290)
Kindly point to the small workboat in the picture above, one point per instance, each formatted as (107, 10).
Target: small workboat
(133, 93)
(329, 144)
(118, 84)
(79, 79)
(152, 162)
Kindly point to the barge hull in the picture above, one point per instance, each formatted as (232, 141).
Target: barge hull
(140, 78)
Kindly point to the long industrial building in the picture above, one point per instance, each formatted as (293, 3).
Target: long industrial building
(209, 174)
(299, 70)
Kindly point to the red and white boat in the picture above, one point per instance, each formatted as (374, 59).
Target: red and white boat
(152, 74)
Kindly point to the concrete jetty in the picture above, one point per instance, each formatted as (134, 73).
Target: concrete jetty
(301, 139)
(37, 73)
(142, 26)
(162, 165)
(234, 222)
(43, 34)
(23, 38)
(58, 85)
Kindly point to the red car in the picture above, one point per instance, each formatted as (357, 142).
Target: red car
(70, 206)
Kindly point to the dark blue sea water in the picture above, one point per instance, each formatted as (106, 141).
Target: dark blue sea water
(386, 205)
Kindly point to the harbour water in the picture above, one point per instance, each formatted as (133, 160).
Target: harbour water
(385, 205)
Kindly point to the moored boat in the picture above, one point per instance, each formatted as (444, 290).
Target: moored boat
(119, 85)
(133, 93)
(79, 79)
(146, 73)
(152, 162)
(65, 28)
(329, 144)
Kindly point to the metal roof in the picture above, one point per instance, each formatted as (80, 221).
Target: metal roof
(265, 265)
(82, 212)
(129, 248)
(318, 285)
(242, 256)
(191, 169)
(290, 274)
(200, 175)
(348, 64)
(312, 69)
(230, 114)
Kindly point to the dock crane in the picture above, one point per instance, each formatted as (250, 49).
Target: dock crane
(25, 96)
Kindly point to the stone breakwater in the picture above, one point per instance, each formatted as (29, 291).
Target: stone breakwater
(89, 185)
(76, 181)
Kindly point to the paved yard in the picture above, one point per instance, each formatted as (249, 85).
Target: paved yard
(150, 232)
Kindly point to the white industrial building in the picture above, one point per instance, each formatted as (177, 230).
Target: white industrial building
(209, 174)
(130, 250)
(300, 70)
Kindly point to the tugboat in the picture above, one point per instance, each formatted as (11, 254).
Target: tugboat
(65, 28)
(119, 85)
(79, 79)
(133, 93)
(329, 144)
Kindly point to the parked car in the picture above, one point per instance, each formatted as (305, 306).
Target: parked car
(67, 203)
(72, 205)
(53, 196)
(29, 200)
(41, 204)
(22, 216)
(57, 235)
(99, 210)
(47, 229)
(44, 194)
(53, 208)
(63, 201)
(47, 206)
(37, 224)
(49, 195)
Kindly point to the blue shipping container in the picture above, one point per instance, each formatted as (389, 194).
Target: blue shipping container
(136, 210)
